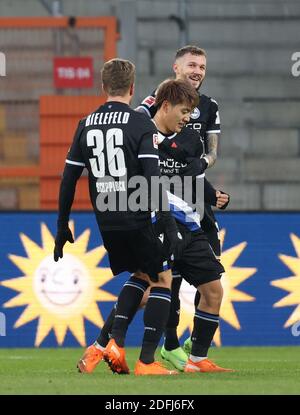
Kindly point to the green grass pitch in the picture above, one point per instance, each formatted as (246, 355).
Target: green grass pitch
(259, 370)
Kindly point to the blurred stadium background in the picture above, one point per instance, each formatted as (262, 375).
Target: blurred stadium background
(250, 47)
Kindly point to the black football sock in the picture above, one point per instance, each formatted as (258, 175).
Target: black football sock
(197, 300)
(105, 333)
(171, 338)
(205, 326)
(155, 319)
(128, 303)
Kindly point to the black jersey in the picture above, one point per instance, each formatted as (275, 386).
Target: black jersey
(183, 211)
(111, 143)
(204, 119)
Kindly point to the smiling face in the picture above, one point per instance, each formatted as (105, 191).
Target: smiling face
(191, 68)
(60, 287)
(63, 285)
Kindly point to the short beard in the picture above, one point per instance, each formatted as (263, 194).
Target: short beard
(201, 82)
(197, 89)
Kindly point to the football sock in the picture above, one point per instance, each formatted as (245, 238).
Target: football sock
(105, 333)
(155, 319)
(128, 303)
(98, 346)
(205, 326)
(196, 359)
(171, 340)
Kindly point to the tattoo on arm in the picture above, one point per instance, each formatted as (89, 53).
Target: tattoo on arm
(212, 147)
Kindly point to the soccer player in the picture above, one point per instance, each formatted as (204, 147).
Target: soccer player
(197, 263)
(115, 144)
(190, 65)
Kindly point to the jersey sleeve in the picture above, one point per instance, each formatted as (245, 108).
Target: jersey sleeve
(148, 105)
(209, 193)
(75, 156)
(214, 124)
(148, 147)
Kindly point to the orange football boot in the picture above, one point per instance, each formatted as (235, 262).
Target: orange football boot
(155, 368)
(114, 356)
(92, 356)
(205, 366)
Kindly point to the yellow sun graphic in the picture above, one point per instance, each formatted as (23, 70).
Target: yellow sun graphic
(291, 284)
(60, 294)
(230, 281)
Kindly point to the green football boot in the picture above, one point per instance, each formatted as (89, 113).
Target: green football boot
(187, 346)
(176, 357)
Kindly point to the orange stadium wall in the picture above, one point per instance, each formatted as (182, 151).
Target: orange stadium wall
(59, 116)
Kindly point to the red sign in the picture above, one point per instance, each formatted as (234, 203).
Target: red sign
(73, 72)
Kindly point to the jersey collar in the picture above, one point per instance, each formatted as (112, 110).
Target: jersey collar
(163, 136)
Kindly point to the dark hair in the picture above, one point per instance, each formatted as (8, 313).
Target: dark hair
(193, 50)
(176, 91)
(117, 76)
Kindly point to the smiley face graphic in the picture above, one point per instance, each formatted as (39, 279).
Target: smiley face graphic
(60, 295)
(63, 285)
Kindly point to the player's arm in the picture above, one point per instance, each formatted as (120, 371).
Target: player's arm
(142, 110)
(147, 106)
(195, 165)
(158, 201)
(212, 148)
(213, 133)
(215, 197)
(149, 159)
(67, 190)
(210, 193)
(72, 171)
(223, 199)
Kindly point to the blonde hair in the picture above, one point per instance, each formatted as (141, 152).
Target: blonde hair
(117, 76)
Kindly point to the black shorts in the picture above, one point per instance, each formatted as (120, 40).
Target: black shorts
(136, 250)
(213, 239)
(197, 264)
